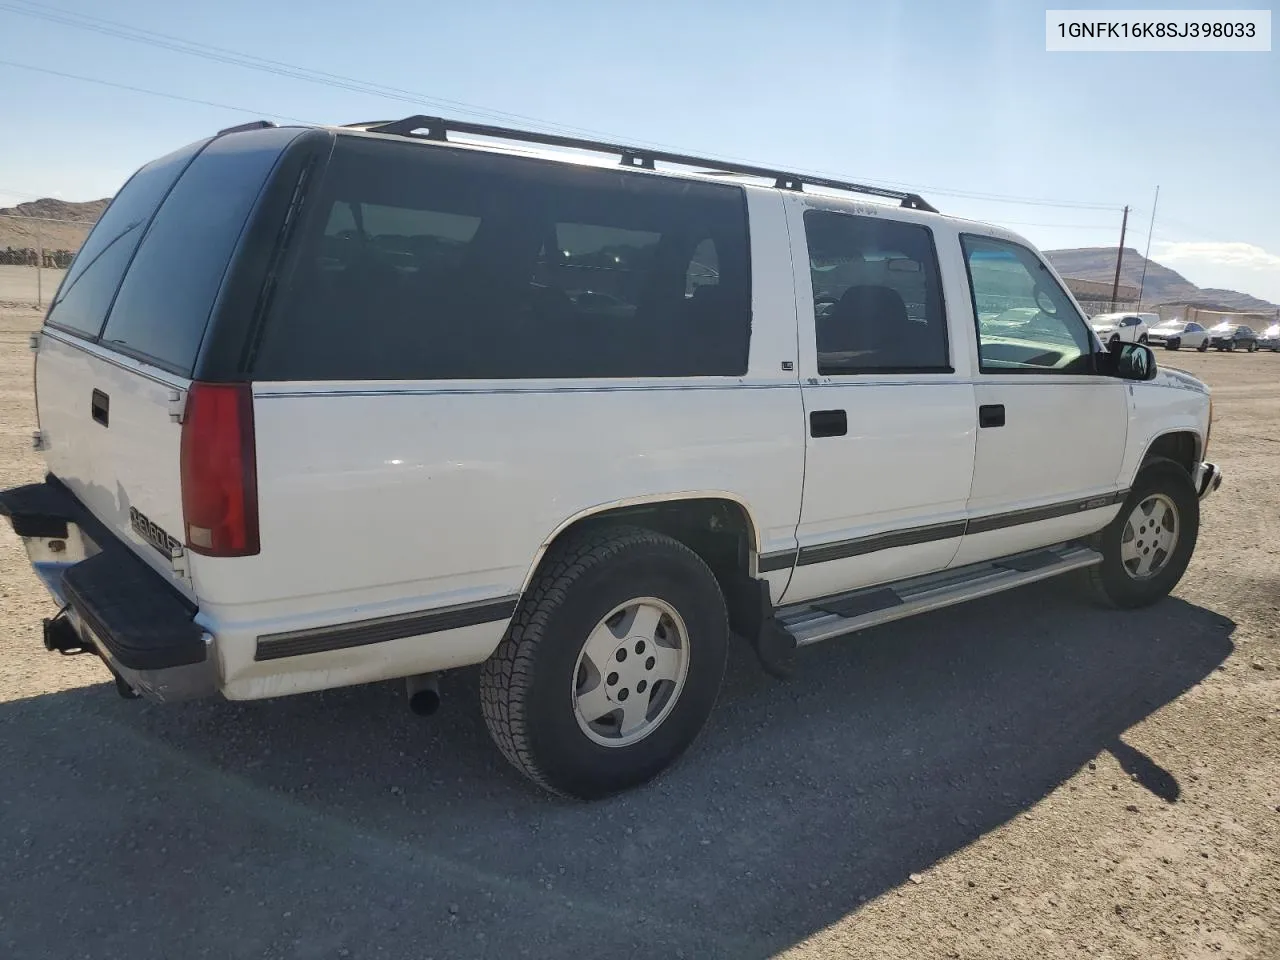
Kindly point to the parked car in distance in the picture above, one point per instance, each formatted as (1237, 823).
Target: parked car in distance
(1176, 334)
(1120, 328)
(1270, 339)
(1233, 336)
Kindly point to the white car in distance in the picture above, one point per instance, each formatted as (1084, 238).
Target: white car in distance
(1175, 334)
(1120, 327)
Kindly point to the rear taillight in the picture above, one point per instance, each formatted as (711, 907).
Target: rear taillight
(219, 471)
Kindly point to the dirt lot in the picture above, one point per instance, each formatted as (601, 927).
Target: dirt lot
(22, 288)
(1021, 777)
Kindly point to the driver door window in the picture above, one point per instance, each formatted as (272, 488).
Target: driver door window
(1026, 322)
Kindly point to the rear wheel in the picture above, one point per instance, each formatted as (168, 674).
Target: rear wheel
(1204, 345)
(1253, 346)
(1146, 548)
(611, 665)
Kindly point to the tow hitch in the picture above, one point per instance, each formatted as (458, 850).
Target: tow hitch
(61, 636)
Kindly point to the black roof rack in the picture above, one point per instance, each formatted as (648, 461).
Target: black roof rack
(251, 125)
(437, 128)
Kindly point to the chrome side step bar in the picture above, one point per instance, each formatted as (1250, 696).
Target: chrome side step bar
(829, 617)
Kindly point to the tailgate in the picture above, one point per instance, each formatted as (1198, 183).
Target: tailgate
(108, 435)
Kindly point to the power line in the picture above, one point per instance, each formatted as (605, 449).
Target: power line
(236, 58)
(153, 93)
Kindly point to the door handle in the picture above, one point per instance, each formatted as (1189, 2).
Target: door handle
(100, 407)
(991, 415)
(828, 423)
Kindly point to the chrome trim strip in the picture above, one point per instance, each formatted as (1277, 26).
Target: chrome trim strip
(296, 643)
(912, 536)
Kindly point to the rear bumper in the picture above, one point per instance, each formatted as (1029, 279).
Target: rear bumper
(121, 609)
(1207, 478)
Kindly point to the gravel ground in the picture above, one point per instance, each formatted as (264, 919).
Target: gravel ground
(1022, 776)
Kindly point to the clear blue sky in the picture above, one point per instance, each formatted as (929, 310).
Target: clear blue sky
(945, 96)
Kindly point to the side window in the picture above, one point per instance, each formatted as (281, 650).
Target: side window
(428, 263)
(602, 270)
(1026, 322)
(877, 296)
(90, 284)
(1194, 328)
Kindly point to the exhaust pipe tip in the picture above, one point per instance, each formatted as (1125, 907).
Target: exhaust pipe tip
(424, 693)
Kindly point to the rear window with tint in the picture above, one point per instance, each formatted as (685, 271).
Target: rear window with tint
(431, 263)
(164, 304)
(90, 284)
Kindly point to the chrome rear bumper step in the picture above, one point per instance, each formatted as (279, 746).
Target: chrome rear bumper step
(830, 617)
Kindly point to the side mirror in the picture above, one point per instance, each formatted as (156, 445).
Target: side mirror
(1131, 361)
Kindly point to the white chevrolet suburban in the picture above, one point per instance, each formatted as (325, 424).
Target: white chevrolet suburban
(323, 406)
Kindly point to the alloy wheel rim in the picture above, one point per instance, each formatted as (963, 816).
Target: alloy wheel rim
(1149, 537)
(630, 672)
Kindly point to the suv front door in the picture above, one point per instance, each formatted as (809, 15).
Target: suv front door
(1052, 431)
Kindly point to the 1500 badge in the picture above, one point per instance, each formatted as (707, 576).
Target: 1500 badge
(154, 534)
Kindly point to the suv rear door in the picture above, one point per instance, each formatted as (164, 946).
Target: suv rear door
(889, 420)
(123, 334)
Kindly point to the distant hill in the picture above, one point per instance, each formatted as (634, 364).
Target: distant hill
(1162, 284)
(45, 222)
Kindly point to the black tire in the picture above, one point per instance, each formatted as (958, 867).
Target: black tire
(1204, 347)
(1144, 339)
(1253, 346)
(1115, 338)
(526, 685)
(1231, 346)
(1109, 582)
(1173, 344)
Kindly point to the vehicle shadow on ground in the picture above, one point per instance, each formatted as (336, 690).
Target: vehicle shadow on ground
(314, 825)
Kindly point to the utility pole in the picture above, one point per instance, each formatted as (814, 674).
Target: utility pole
(1142, 287)
(1115, 285)
(39, 268)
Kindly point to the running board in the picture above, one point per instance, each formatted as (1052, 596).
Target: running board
(847, 612)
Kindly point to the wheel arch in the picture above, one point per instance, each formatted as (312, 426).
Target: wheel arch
(1181, 446)
(717, 525)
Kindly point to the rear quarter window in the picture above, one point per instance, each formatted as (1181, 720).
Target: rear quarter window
(430, 263)
(91, 282)
(163, 306)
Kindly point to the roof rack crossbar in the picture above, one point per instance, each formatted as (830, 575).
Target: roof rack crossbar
(251, 125)
(437, 128)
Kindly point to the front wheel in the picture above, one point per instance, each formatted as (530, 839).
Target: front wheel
(1115, 338)
(1173, 344)
(1143, 339)
(1252, 347)
(611, 664)
(1146, 548)
(1231, 346)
